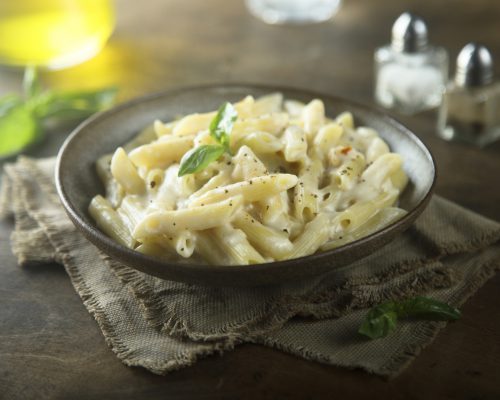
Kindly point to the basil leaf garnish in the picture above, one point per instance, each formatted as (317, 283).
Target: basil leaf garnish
(220, 129)
(198, 158)
(222, 124)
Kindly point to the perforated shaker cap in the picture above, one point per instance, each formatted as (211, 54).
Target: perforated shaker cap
(474, 66)
(409, 34)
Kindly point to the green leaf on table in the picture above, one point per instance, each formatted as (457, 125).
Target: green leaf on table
(7, 102)
(73, 104)
(22, 118)
(18, 129)
(381, 319)
(31, 83)
(424, 307)
(199, 158)
(222, 124)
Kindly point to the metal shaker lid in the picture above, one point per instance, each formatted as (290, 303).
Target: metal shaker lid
(409, 34)
(474, 66)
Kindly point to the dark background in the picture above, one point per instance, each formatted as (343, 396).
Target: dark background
(50, 347)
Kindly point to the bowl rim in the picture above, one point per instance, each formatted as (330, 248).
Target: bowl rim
(95, 235)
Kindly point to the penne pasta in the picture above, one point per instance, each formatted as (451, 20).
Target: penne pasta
(261, 142)
(109, 221)
(192, 124)
(268, 241)
(262, 180)
(254, 189)
(274, 124)
(114, 191)
(247, 165)
(161, 153)
(380, 220)
(313, 116)
(125, 172)
(295, 144)
(314, 235)
(354, 216)
(235, 245)
(195, 218)
(269, 104)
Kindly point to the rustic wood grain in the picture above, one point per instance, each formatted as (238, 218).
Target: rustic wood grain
(50, 348)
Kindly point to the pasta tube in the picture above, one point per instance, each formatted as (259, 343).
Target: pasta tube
(254, 189)
(195, 218)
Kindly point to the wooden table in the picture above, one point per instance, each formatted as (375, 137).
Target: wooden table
(51, 348)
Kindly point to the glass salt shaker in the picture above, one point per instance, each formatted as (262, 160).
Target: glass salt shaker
(410, 75)
(471, 104)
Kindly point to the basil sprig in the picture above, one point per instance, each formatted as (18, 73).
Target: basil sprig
(382, 319)
(23, 117)
(220, 129)
(199, 158)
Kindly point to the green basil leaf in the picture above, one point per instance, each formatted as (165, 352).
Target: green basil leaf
(199, 157)
(31, 83)
(73, 104)
(18, 129)
(380, 321)
(7, 102)
(427, 308)
(222, 124)
(22, 119)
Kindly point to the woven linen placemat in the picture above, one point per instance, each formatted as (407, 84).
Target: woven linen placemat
(162, 326)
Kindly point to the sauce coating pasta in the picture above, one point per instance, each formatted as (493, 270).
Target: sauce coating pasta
(289, 181)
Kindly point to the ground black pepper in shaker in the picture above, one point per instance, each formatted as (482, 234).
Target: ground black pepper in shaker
(470, 111)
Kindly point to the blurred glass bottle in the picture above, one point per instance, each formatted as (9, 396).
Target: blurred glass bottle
(471, 104)
(293, 11)
(53, 33)
(410, 74)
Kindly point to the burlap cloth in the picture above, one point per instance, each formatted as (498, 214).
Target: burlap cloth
(162, 326)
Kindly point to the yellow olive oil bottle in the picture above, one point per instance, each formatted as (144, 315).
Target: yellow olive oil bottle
(53, 33)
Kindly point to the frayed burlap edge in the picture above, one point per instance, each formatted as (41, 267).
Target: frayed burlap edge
(90, 301)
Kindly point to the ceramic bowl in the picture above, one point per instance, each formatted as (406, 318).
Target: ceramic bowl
(77, 181)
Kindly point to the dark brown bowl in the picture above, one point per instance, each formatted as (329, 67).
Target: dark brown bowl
(77, 181)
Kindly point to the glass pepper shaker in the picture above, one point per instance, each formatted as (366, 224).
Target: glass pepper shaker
(471, 103)
(410, 74)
